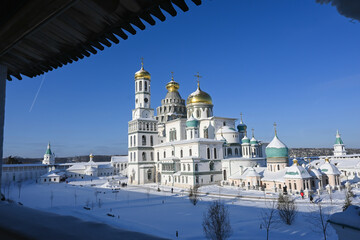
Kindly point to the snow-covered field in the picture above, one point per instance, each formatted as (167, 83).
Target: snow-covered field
(143, 209)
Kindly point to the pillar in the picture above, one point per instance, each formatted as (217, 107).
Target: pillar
(3, 75)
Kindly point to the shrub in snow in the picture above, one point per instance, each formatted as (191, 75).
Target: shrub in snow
(287, 208)
(348, 199)
(216, 222)
(193, 195)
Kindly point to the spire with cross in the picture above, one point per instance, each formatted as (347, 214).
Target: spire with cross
(198, 79)
(252, 130)
(275, 128)
(172, 76)
(142, 63)
(241, 121)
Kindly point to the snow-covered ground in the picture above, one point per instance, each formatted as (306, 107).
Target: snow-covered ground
(143, 209)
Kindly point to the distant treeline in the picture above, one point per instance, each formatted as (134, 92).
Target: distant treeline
(21, 160)
(313, 152)
(298, 152)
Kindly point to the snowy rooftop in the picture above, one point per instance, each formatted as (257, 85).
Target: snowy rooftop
(276, 143)
(119, 158)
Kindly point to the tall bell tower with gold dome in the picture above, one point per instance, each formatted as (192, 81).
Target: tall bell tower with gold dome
(142, 132)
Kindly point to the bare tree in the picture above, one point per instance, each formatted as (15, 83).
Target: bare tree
(96, 194)
(287, 208)
(319, 219)
(193, 195)
(75, 197)
(216, 222)
(19, 185)
(268, 217)
(148, 194)
(51, 198)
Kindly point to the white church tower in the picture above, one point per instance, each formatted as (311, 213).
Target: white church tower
(339, 147)
(142, 133)
(49, 157)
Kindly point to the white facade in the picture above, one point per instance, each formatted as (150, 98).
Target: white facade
(189, 147)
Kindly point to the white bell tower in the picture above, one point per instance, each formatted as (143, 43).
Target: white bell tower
(339, 146)
(142, 133)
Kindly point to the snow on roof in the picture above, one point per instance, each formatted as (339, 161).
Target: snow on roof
(314, 172)
(274, 176)
(250, 172)
(119, 158)
(296, 171)
(329, 169)
(52, 174)
(276, 143)
(226, 129)
(350, 217)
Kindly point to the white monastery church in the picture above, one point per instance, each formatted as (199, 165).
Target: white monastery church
(185, 145)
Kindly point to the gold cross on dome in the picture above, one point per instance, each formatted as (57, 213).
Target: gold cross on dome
(142, 62)
(275, 127)
(241, 114)
(198, 78)
(252, 130)
(172, 76)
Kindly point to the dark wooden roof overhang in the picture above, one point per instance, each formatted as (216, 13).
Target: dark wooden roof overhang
(38, 36)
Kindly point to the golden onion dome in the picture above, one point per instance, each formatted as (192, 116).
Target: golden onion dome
(199, 96)
(172, 86)
(142, 73)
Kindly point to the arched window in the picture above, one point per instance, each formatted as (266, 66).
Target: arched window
(131, 142)
(145, 86)
(278, 167)
(208, 153)
(164, 154)
(136, 88)
(211, 166)
(215, 155)
(131, 156)
(224, 175)
(196, 167)
(143, 138)
(151, 156)
(198, 113)
(140, 86)
(190, 152)
(147, 126)
(236, 152)
(151, 141)
(134, 156)
(149, 175)
(189, 167)
(134, 140)
(158, 156)
(184, 167)
(181, 153)
(229, 152)
(144, 156)
(206, 133)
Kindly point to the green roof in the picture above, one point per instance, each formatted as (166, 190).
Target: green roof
(192, 123)
(48, 151)
(277, 152)
(339, 141)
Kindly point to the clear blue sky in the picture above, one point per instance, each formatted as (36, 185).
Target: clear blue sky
(293, 62)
